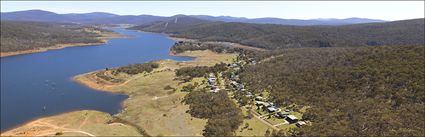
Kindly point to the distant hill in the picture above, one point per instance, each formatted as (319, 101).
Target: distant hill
(84, 18)
(34, 15)
(87, 17)
(129, 19)
(108, 18)
(297, 22)
(407, 32)
(19, 36)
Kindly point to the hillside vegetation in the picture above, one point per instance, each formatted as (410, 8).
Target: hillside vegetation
(407, 32)
(19, 36)
(351, 91)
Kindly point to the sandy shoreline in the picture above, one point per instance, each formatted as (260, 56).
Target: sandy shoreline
(104, 38)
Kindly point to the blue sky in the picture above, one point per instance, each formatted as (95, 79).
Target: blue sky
(387, 10)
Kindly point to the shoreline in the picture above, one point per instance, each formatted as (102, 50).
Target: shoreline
(104, 38)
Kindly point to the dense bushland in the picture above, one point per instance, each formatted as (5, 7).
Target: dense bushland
(352, 91)
(224, 117)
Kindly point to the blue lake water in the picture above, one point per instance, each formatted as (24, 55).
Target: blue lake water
(30, 82)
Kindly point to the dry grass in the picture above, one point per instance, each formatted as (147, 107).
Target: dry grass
(72, 123)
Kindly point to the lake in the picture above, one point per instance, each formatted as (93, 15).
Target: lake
(30, 82)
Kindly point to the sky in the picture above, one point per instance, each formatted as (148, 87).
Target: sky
(385, 10)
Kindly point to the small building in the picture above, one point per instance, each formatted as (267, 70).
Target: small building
(265, 104)
(300, 123)
(212, 79)
(291, 119)
(281, 114)
(259, 98)
(271, 109)
(259, 103)
(271, 104)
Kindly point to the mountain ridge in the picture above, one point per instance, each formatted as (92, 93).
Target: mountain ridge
(110, 18)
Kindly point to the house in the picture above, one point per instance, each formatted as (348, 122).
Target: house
(271, 104)
(271, 109)
(234, 65)
(300, 123)
(281, 114)
(212, 79)
(291, 119)
(259, 103)
(265, 104)
(240, 86)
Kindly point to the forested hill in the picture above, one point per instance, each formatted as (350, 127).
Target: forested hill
(175, 24)
(19, 36)
(352, 91)
(406, 32)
